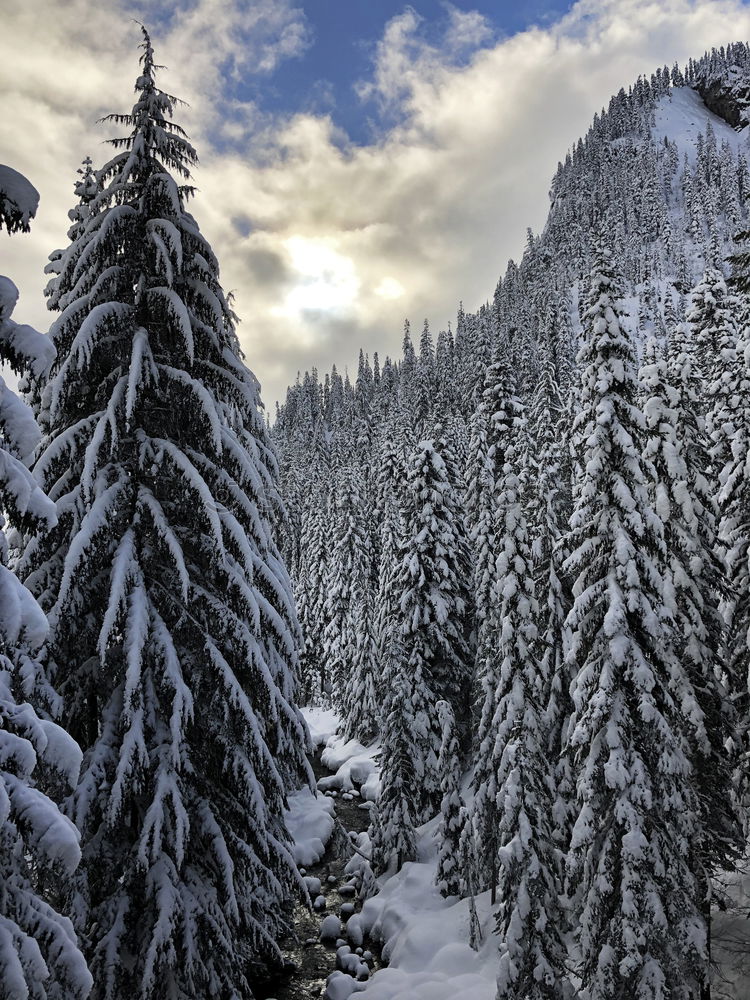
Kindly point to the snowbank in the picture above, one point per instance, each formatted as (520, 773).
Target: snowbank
(353, 765)
(425, 938)
(322, 723)
(309, 820)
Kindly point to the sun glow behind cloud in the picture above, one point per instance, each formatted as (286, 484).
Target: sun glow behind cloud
(389, 288)
(338, 242)
(323, 279)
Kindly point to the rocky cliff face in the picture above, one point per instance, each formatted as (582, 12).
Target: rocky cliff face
(726, 92)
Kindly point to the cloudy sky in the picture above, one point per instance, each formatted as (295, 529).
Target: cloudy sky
(361, 161)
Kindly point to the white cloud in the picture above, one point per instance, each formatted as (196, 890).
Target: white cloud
(328, 245)
(394, 67)
(467, 29)
(230, 39)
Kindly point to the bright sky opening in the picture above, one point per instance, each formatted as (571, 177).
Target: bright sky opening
(360, 162)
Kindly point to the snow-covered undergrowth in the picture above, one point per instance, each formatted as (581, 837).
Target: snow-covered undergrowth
(352, 766)
(322, 723)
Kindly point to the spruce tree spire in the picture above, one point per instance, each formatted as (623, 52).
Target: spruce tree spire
(636, 799)
(173, 633)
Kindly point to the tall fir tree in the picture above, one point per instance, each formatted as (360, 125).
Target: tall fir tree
(360, 699)
(310, 592)
(734, 504)
(392, 832)
(640, 933)
(712, 318)
(498, 410)
(452, 809)
(548, 511)
(494, 427)
(513, 800)
(346, 584)
(433, 584)
(682, 500)
(390, 515)
(174, 635)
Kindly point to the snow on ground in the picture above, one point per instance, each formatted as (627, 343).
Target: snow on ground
(353, 766)
(309, 820)
(425, 938)
(322, 723)
(682, 117)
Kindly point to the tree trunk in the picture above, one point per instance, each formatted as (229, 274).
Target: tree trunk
(706, 984)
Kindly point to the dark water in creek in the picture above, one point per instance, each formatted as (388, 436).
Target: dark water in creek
(312, 960)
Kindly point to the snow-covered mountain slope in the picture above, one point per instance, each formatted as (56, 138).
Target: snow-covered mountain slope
(664, 180)
(682, 116)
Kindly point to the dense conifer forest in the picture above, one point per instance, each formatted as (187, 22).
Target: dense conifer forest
(504, 577)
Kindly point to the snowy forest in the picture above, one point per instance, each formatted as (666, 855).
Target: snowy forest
(435, 685)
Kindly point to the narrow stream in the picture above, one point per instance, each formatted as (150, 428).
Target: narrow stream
(312, 960)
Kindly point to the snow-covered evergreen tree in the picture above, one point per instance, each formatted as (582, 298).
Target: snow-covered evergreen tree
(434, 595)
(449, 875)
(547, 511)
(688, 508)
(392, 832)
(19, 200)
(734, 503)
(712, 318)
(346, 582)
(39, 847)
(173, 627)
(469, 881)
(640, 933)
(434, 603)
(390, 515)
(360, 698)
(310, 592)
(513, 796)
(500, 412)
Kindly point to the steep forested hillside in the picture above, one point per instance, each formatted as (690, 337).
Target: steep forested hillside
(528, 536)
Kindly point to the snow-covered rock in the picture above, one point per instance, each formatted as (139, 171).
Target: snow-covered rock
(340, 986)
(310, 821)
(352, 764)
(330, 928)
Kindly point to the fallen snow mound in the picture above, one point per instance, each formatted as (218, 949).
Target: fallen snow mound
(322, 723)
(354, 766)
(309, 820)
